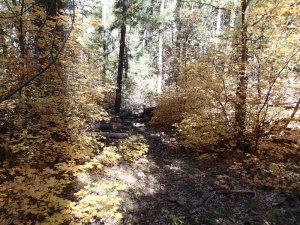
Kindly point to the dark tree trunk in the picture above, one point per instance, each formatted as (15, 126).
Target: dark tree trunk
(21, 32)
(105, 55)
(241, 92)
(21, 38)
(3, 44)
(121, 59)
(126, 64)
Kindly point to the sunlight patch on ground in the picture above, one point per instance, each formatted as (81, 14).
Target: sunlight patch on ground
(135, 179)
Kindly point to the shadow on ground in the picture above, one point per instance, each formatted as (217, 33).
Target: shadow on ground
(178, 185)
(175, 188)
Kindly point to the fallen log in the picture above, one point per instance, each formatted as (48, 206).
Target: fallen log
(111, 126)
(114, 135)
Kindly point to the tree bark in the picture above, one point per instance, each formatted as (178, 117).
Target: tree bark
(21, 40)
(121, 59)
(241, 92)
(3, 44)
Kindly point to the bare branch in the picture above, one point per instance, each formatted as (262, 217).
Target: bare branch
(18, 15)
(38, 73)
(292, 115)
(271, 87)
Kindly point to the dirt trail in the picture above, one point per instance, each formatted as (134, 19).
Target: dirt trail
(165, 183)
(146, 178)
(169, 186)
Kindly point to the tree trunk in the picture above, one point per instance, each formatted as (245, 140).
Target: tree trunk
(21, 39)
(105, 56)
(105, 37)
(160, 75)
(233, 14)
(3, 44)
(178, 42)
(219, 23)
(145, 40)
(121, 59)
(241, 92)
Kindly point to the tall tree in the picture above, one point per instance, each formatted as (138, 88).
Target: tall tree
(118, 100)
(160, 75)
(241, 92)
(178, 42)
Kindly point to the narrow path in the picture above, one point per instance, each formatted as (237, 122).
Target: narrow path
(144, 178)
(168, 186)
(164, 186)
(178, 183)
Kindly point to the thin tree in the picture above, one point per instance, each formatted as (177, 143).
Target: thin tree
(160, 75)
(178, 41)
(121, 58)
(241, 92)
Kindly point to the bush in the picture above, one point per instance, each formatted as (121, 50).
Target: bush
(199, 106)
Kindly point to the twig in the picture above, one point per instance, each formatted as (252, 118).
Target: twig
(17, 15)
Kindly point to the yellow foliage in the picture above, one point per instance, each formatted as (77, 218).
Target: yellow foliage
(170, 108)
(133, 148)
(199, 106)
(109, 156)
(199, 130)
(98, 201)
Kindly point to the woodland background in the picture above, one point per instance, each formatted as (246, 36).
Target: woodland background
(91, 87)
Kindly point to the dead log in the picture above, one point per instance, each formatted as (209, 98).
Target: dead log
(114, 135)
(111, 126)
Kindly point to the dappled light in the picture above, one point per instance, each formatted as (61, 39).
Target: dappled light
(164, 112)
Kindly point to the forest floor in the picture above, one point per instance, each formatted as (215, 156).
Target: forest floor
(147, 178)
(171, 185)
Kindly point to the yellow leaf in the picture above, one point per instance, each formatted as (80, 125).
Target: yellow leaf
(118, 216)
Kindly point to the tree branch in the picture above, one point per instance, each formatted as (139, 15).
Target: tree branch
(17, 15)
(38, 73)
